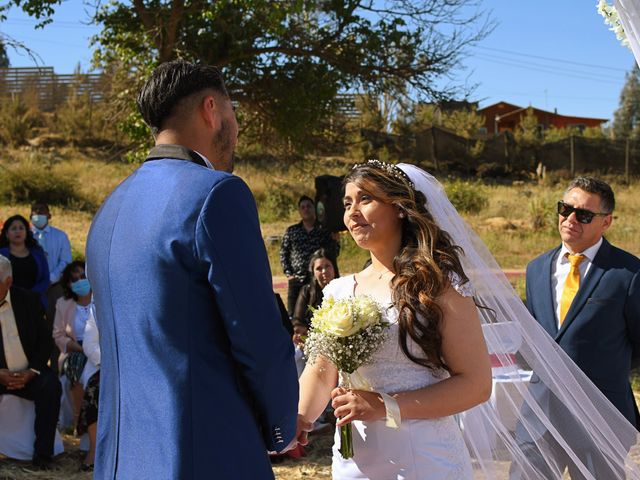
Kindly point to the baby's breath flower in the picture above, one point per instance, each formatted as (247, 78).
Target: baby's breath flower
(347, 332)
(611, 18)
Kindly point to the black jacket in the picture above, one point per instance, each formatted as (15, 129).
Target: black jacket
(35, 334)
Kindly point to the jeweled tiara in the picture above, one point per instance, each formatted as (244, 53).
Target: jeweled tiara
(387, 167)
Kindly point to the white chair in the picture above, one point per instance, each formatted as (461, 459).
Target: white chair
(16, 428)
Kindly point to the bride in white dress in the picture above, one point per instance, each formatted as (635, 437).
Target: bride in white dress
(434, 362)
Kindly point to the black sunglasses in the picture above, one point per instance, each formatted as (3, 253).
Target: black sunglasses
(582, 215)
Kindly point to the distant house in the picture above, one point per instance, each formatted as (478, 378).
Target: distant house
(503, 116)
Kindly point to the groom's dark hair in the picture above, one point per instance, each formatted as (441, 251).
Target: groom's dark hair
(165, 93)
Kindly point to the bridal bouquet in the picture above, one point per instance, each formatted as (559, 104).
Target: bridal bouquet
(347, 332)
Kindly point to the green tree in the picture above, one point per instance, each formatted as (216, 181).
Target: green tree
(528, 131)
(555, 134)
(286, 60)
(464, 122)
(626, 119)
(594, 132)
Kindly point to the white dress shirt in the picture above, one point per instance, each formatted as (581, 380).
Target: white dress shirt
(206, 160)
(57, 249)
(13, 351)
(91, 343)
(80, 320)
(562, 267)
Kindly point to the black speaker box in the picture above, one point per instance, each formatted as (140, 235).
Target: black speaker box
(329, 208)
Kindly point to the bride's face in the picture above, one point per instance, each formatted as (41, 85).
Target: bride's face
(373, 224)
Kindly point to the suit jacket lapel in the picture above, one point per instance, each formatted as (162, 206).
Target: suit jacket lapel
(547, 314)
(589, 283)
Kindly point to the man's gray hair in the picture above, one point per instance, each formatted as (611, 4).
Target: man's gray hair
(5, 268)
(597, 186)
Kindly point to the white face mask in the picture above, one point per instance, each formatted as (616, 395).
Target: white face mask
(39, 221)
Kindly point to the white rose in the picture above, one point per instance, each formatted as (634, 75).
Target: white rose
(339, 320)
(369, 313)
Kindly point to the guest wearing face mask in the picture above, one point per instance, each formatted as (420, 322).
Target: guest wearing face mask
(53, 241)
(72, 312)
(57, 248)
(28, 260)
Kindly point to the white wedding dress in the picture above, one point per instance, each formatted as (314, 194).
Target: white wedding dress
(419, 449)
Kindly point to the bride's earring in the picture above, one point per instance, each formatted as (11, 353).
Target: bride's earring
(401, 215)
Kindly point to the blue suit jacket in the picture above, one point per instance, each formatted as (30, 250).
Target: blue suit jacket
(198, 378)
(602, 327)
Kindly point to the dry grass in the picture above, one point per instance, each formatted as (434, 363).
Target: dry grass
(315, 465)
(518, 224)
(65, 467)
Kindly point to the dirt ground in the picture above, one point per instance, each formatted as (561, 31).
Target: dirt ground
(315, 465)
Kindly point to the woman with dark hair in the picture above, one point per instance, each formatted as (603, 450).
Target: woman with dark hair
(452, 316)
(322, 272)
(72, 313)
(28, 261)
(434, 363)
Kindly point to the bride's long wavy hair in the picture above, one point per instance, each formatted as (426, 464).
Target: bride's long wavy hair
(422, 267)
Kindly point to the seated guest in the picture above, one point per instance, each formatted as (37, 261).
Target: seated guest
(57, 249)
(322, 272)
(284, 315)
(88, 419)
(28, 260)
(72, 312)
(25, 347)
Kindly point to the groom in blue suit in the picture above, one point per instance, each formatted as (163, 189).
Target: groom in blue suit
(198, 378)
(586, 294)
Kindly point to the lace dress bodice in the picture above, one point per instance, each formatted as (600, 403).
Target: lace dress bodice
(430, 449)
(390, 370)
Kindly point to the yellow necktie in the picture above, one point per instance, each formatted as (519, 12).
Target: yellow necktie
(571, 284)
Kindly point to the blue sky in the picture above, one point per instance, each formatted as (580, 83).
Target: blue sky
(547, 53)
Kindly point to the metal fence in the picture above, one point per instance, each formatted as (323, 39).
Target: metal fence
(48, 88)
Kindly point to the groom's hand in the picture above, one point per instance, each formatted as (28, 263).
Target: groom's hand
(350, 405)
(302, 429)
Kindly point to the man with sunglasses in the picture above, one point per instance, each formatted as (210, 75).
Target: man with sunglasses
(586, 294)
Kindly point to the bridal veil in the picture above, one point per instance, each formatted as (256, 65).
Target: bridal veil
(542, 402)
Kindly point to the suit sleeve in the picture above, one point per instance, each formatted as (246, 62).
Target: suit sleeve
(632, 313)
(43, 343)
(65, 257)
(228, 237)
(528, 291)
(42, 281)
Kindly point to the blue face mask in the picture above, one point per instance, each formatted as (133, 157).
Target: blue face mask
(39, 221)
(81, 287)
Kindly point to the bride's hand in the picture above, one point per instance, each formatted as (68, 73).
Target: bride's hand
(349, 405)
